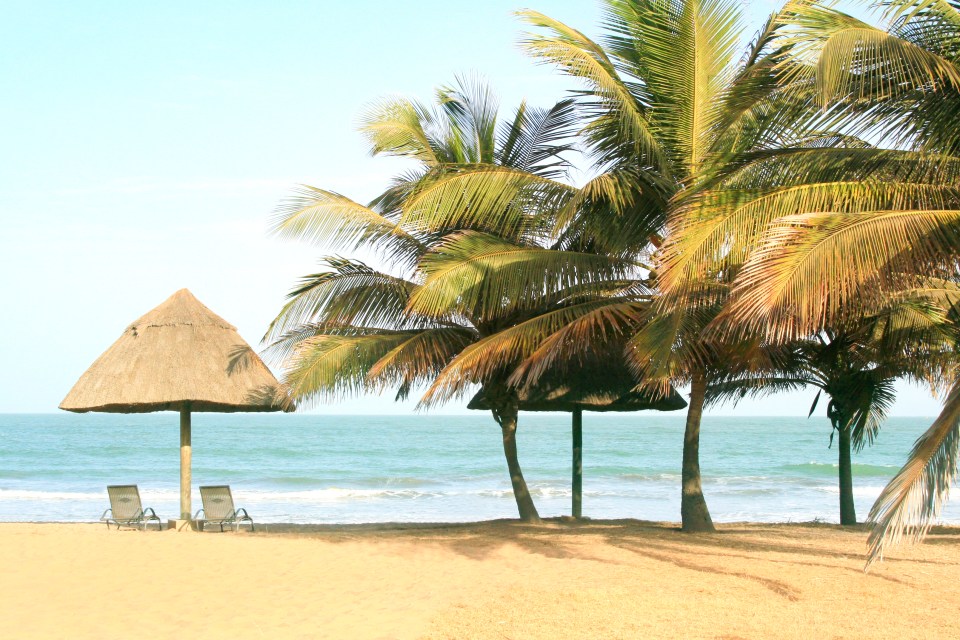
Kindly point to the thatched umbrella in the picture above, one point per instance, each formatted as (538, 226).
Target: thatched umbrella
(598, 386)
(179, 357)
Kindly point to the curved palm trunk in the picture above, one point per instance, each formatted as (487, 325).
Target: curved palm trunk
(528, 511)
(848, 512)
(505, 413)
(693, 507)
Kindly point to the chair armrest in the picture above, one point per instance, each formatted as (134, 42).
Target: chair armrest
(153, 514)
(245, 514)
(104, 515)
(196, 516)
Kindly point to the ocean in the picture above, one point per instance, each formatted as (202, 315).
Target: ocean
(437, 468)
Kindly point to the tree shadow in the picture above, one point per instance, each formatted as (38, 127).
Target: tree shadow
(662, 542)
(241, 358)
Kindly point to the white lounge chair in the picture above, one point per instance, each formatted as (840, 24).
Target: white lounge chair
(125, 508)
(218, 508)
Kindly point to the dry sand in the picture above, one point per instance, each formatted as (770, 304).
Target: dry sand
(620, 579)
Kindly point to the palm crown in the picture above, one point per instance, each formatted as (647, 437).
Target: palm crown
(459, 270)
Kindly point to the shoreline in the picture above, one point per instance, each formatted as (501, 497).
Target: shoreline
(492, 579)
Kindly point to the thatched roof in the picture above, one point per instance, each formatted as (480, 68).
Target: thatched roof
(598, 386)
(181, 352)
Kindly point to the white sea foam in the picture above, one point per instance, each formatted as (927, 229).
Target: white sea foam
(48, 496)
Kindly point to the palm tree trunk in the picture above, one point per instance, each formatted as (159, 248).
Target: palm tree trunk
(508, 425)
(848, 513)
(693, 507)
(505, 407)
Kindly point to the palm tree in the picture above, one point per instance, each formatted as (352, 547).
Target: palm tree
(669, 115)
(672, 111)
(463, 271)
(866, 222)
(856, 367)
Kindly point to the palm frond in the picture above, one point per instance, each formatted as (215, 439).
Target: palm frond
(419, 359)
(497, 355)
(401, 127)
(753, 387)
(485, 277)
(336, 366)
(350, 293)
(811, 267)
(915, 496)
(686, 55)
(335, 222)
(496, 199)
(619, 120)
(720, 228)
(874, 399)
(601, 323)
(471, 107)
(536, 139)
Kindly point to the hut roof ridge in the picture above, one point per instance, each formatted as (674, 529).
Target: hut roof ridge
(182, 308)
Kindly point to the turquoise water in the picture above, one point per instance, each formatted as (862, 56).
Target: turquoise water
(344, 469)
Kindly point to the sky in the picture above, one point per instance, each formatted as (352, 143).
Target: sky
(147, 145)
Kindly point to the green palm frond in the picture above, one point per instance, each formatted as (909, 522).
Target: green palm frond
(389, 203)
(915, 496)
(486, 277)
(600, 323)
(282, 345)
(719, 230)
(618, 208)
(875, 397)
(619, 118)
(401, 127)
(471, 109)
(497, 355)
(335, 222)
(327, 367)
(847, 56)
(669, 346)
(902, 14)
(807, 161)
(536, 139)
(490, 198)
(351, 293)
(687, 60)
(921, 314)
(864, 49)
(419, 359)
(753, 387)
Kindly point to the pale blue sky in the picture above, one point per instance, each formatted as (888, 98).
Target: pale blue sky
(145, 147)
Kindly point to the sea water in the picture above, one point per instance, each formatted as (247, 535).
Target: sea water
(437, 468)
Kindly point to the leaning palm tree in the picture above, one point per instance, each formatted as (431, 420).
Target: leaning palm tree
(456, 271)
(868, 221)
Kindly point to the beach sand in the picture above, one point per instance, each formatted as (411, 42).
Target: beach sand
(609, 579)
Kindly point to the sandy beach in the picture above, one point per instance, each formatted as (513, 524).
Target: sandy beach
(611, 579)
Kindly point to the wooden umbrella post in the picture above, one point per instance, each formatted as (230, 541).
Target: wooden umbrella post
(185, 452)
(577, 462)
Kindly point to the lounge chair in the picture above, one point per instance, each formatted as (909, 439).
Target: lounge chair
(218, 508)
(125, 508)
